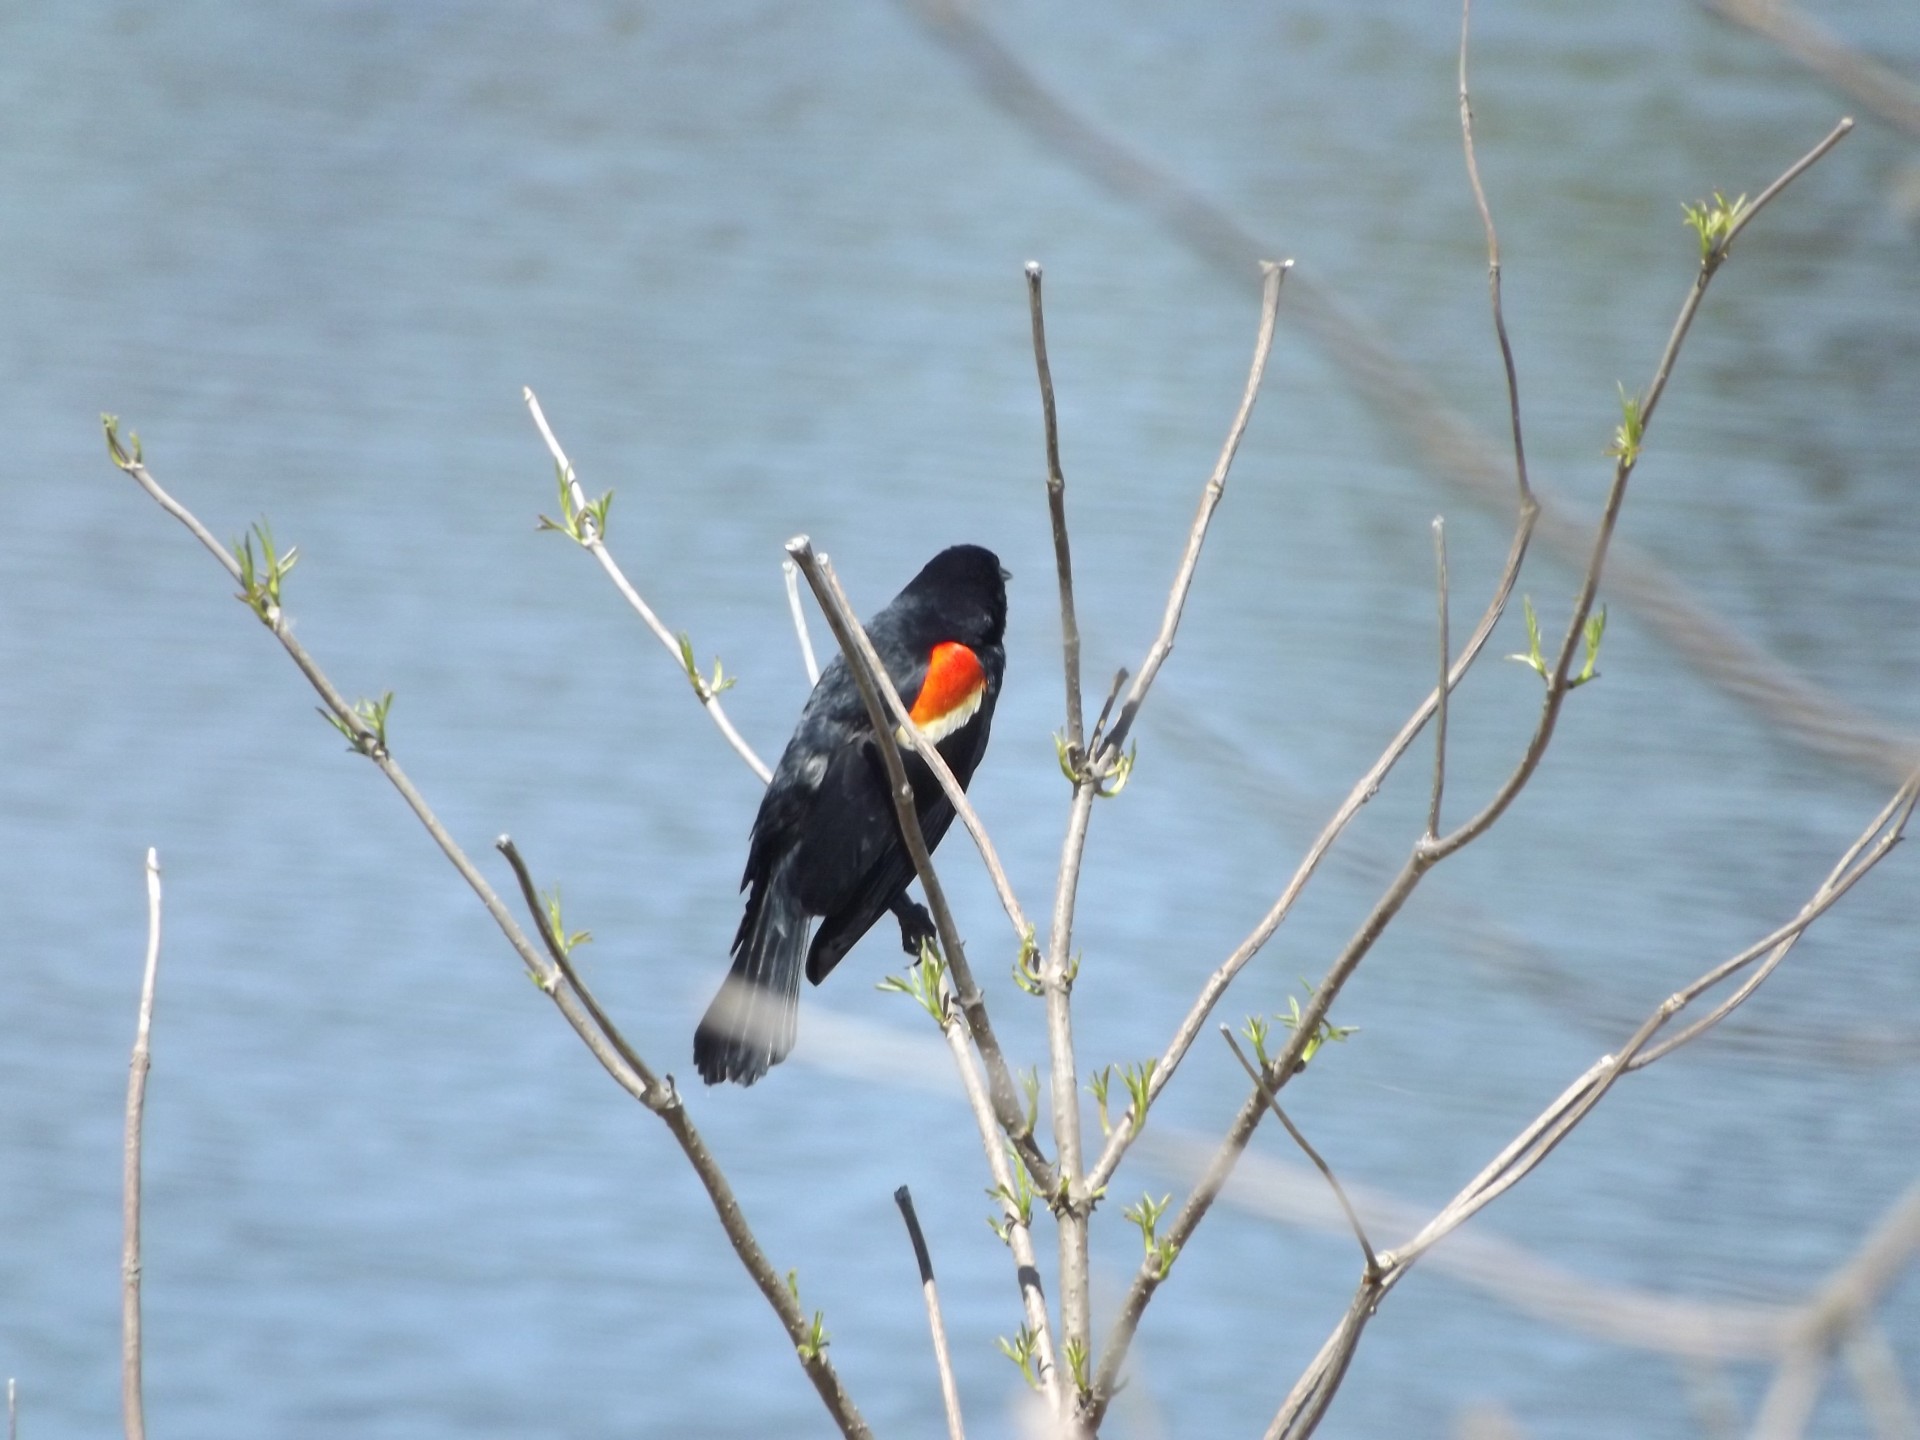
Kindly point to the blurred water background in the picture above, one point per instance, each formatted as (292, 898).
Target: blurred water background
(763, 265)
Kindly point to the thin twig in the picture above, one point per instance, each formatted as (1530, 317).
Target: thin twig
(1019, 1230)
(1072, 1200)
(132, 1403)
(595, 544)
(1712, 261)
(662, 1098)
(563, 964)
(889, 716)
(1440, 689)
(1835, 1319)
(1306, 1404)
(1273, 276)
(1057, 509)
(1106, 707)
(1273, 1103)
(791, 573)
(949, 1393)
(1493, 268)
(1577, 995)
(1895, 813)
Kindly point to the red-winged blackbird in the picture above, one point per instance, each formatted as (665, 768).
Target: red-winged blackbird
(826, 841)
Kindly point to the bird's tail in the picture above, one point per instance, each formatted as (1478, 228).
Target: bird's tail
(749, 1027)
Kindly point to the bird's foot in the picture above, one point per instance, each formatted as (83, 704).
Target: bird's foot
(916, 927)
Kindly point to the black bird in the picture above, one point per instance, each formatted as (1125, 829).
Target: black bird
(826, 842)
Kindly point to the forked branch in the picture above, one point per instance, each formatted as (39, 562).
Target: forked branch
(584, 521)
(1428, 852)
(1311, 1395)
(572, 1000)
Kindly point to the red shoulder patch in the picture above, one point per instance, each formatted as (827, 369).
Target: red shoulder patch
(951, 692)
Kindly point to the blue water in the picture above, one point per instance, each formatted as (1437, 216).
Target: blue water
(763, 266)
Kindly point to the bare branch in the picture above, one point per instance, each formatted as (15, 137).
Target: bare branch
(664, 1100)
(1896, 812)
(1306, 1404)
(655, 1091)
(1274, 275)
(1019, 1228)
(1863, 1280)
(1266, 1093)
(1717, 256)
(1147, 1279)
(1091, 765)
(1073, 1201)
(1057, 509)
(1836, 1319)
(590, 537)
(949, 1394)
(791, 573)
(1493, 270)
(132, 1404)
(1441, 688)
(1113, 694)
(1628, 454)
